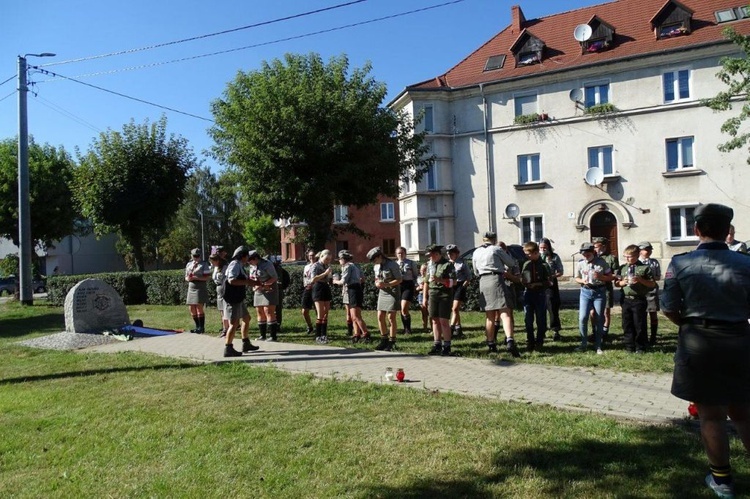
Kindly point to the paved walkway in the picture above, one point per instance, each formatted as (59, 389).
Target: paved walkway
(643, 397)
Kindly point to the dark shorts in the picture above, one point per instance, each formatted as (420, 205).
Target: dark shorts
(652, 300)
(712, 364)
(439, 307)
(307, 299)
(356, 295)
(408, 292)
(321, 292)
(610, 300)
(459, 292)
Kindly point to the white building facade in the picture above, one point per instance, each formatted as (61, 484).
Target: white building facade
(542, 134)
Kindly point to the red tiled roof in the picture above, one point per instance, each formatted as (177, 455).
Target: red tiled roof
(634, 36)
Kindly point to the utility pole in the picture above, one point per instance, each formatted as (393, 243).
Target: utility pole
(24, 211)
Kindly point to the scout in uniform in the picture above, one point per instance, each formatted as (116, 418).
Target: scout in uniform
(352, 297)
(266, 296)
(707, 294)
(321, 294)
(602, 250)
(592, 273)
(307, 300)
(408, 289)
(652, 298)
(536, 278)
(636, 280)
(463, 278)
(555, 264)
(197, 273)
(437, 291)
(388, 282)
(235, 308)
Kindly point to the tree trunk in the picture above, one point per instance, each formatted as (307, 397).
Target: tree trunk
(136, 241)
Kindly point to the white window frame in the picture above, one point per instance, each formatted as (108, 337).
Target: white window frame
(676, 85)
(681, 160)
(683, 222)
(428, 118)
(408, 239)
(600, 156)
(596, 85)
(529, 164)
(431, 177)
(520, 101)
(535, 233)
(389, 215)
(341, 214)
(433, 223)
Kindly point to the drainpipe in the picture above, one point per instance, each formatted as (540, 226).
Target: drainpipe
(487, 161)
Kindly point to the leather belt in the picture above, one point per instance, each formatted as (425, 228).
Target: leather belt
(490, 273)
(712, 322)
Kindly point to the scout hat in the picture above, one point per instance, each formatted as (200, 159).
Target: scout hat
(586, 247)
(252, 254)
(490, 236)
(345, 255)
(451, 247)
(433, 248)
(195, 252)
(374, 252)
(600, 240)
(714, 210)
(645, 245)
(240, 252)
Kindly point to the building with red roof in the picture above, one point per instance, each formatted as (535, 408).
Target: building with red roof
(581, 124)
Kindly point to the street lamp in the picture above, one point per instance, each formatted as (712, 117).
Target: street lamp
(24, 214)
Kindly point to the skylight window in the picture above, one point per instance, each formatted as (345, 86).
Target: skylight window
(726, 15)
(495, 62)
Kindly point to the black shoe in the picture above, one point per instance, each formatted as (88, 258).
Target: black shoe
(248, 347)
(556, 337)
(229, 351)
(435, 350)
(512, 349)
(366, 339)
(446, 351)
(391, 346)
(383, 345)
(652, 340)
(459, 334)
(355, 339)
(310, 330)
(492, 348)
(530, 346)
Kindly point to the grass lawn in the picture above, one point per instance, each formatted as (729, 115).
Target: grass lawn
(135, 425)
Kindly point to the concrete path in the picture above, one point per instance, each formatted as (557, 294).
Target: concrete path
(642, 397)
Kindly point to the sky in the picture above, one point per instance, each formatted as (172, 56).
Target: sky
(404, 49)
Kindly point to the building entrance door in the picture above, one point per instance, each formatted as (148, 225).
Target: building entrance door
(604, 224)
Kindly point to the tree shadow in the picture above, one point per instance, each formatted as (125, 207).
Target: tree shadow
(660, 462)
(93, 372)
(45, 323)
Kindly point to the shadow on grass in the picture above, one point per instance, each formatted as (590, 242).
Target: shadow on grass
(93, 372)
(663, 462)
(22, 326)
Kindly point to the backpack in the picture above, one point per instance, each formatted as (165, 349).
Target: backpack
(283, 277)
(234, 294)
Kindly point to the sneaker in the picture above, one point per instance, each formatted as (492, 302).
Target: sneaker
(579, 348)
(599, 351)
(513, 349)
(229, 351)
(223, 333)
(383, 345)
(436, 350)
(249, 347)
(391, 346)
(260, 338)
(721, 490)
(492, 348)
(446, 351)
(271, 339)
(322, 340)
(310, 330)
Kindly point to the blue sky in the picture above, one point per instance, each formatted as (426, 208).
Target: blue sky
(403, 50)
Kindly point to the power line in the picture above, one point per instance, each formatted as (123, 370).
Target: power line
(58, 109)
(47, 72)
(6, 81)
(200, 37)
(272, 42)
(12, 93)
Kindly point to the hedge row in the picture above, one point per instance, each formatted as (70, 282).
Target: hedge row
(168, 287)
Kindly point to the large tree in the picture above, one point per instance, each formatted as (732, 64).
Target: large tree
(50, 179)
(133, 182)
(305, 136)
(735, 74)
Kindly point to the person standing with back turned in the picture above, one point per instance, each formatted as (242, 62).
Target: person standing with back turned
(707, 294)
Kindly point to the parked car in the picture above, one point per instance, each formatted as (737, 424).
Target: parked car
(7, 285)
(39, 284)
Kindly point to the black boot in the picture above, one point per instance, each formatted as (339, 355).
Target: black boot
(201, 324)
(407, 324)
(263, 328)
(652, 338)
(247, 346)
(229, 351)
(383, 345)
(274, 329)
(350, 328)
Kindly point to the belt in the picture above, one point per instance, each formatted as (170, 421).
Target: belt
(712, 322)
(592, 286)
(635, 298)
(490, 273)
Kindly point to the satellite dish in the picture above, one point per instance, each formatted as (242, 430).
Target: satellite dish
(582, 32)
(512, 210)
(594, 176)
(576, 95)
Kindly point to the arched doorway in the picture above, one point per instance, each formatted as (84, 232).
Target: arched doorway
(604, 224)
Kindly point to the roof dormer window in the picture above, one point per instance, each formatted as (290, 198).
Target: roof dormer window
(602, 36)
(528, 49)
(672, 20)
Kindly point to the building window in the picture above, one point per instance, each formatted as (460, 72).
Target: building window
(676, 85)
(408, 241)
(596, 94)
(525, 104)
(528, 168)
(433, 231)
(429, 125)
(681, 220)
(531, 229)
(389, 247)
(494, 62)
(431, 177)
(679, 153)
(601, 157)
(341, 245)
(433, 205)
(340, 214)
(287, 251)
(387, 212)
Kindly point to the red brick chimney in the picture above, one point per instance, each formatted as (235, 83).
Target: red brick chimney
(518, 18)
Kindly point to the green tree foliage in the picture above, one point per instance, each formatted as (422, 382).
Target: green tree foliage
(304, 136)
(50, 179)
(133, 182)
(735, 73)
(261, 234)
(215, 197)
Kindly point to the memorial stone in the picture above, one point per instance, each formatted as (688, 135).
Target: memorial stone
(93, 306)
